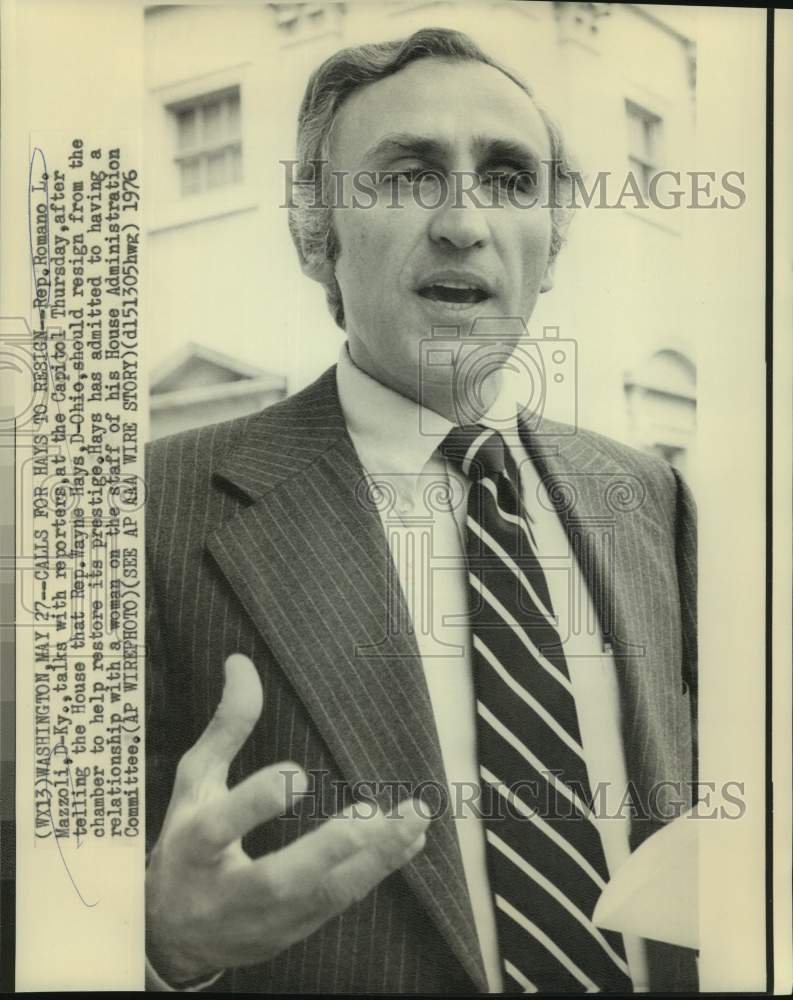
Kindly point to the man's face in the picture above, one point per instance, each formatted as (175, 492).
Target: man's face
(432, 261)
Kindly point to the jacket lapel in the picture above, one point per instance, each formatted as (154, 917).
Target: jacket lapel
(310, 562)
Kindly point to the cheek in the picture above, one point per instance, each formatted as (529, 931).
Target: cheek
(355, 242)
(535, 247)
(351, 255)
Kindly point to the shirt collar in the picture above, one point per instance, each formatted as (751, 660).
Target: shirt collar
(394, 435)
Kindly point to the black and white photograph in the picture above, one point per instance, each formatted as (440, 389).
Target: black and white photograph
(392, 477)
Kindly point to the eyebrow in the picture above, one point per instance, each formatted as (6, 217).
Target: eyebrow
(487, 149)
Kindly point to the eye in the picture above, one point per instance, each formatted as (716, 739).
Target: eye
(512, 179)
(418, 175)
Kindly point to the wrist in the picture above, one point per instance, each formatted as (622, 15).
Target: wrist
(176, 967)
(155, 982)
(166, 953)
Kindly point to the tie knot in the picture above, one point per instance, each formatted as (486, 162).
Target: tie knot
(477, 450)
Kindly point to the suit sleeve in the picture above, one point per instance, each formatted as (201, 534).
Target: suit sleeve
(686, 558)
(162, 754)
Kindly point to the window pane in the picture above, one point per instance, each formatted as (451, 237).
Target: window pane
(186, 127)
(643, 172)
(191, 175)
(212, 122)
(235, 164)
(217, 168)
(288, 22)
(650, 135)
(636, 134)
(232, 105)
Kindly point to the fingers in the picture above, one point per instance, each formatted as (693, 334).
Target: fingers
(259, 798)
(354, 879)
(362, 849)
(228, 729)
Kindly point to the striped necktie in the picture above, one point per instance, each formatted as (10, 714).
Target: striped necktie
(544, 854)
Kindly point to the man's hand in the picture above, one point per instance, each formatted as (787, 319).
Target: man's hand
(208, 905)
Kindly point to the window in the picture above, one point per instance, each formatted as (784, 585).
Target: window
(669, 453)
(292, 18)
(581, 18)
(644, 138)
(208, 144)
(662, 406)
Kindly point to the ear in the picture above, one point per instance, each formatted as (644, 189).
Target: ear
(547, 279)
(318, 270)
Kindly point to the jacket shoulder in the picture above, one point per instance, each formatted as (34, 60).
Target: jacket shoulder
(599, 452)
(656, 473)
(193, 453)
(180, 470)
(197, 453)
(629, 456)
(631, 478)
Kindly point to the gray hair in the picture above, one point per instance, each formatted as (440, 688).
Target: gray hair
(310, 214)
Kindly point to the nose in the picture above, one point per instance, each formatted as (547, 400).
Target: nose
(460, 222)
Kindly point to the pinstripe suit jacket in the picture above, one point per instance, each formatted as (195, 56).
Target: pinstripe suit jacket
(257, 543)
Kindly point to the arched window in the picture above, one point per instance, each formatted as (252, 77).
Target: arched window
(661, 395)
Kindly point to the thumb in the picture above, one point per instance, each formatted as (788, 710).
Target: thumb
(232, 723)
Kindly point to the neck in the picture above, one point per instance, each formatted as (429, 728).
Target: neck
(443, 389)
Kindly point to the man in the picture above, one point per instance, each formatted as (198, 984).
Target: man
(449, 721)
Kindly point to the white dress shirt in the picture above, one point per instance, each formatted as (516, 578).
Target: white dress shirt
(396, 442)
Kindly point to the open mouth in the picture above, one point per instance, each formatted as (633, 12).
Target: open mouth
(454, 293)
